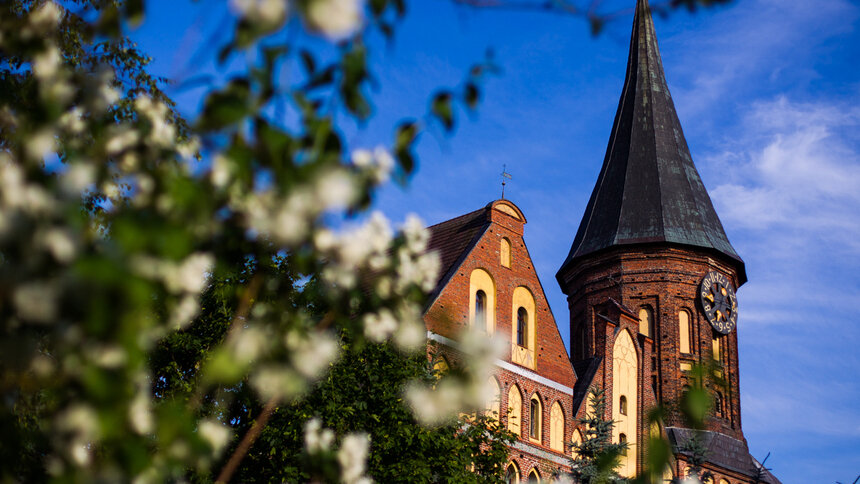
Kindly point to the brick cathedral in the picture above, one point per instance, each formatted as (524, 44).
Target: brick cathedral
(649, 283)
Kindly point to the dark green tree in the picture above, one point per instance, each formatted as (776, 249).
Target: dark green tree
(597, 457)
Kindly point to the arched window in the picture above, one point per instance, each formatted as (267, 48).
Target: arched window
(515, 410)
(625, 364)
(556, 428)
(717, 349)
(481, 309)
(718, 404)
(534, 477)
(522, 326)
(512, 474)
(622, 439)
(535, 418)
(723, 481)
(685, 332)
(622, 405)
(576, 441)
(505, 252)
(495, 402)
(440, 367)
(482, 301)
(646, 322)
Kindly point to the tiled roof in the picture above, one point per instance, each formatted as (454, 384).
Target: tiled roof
(452, 240)
(648, 190)
(721, 450)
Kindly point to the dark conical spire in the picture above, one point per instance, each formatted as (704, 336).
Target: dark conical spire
(648, 190)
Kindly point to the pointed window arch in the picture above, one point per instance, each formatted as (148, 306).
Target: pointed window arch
(625, 364)
(556, 428)
(718, 405)
(493, 409)
(505, 252)
(535, 418)
(534, 476)
(685, 332)
(622, 405)
(482, 301)
(646, 321)
(481, 309)
(515, 410)
(622, 439)
(522, 326)
(512, 474)
(576, 440)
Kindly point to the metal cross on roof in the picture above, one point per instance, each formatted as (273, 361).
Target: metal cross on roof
(505, 175)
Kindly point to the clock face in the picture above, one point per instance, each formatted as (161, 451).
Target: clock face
(719, 302)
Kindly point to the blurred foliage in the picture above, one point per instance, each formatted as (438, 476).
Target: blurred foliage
(169, 287)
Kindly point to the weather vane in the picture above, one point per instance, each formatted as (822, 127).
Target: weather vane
(505, 175)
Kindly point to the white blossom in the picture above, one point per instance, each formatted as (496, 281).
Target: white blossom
(313, 353)
(411, 335)
(379, 163)
(46, 17)
(335, 19)
(40, 144)
(317, 439)
(379, 327)
(122, 140)
(72, 120)
(336, 190)
(59, 243)
(417, 237)
(36, 301)
(276, 381)
(110, 356)
(221, 171)
(352, 457)
(191, 276)
(140, 413)
(268, 13)
(77, 178)
(46, 64)
(214, 433)
(249, 343)
(184, 312)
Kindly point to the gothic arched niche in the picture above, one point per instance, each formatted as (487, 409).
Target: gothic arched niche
(556, 428)
(515, 410)
(493, 408)
(482, 314)
(523, 355)
(646, 321)
(625, 363)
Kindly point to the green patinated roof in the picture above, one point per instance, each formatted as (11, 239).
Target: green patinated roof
(648, 190)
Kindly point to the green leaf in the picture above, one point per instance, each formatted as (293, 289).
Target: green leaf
(226, 107)
(442, 109)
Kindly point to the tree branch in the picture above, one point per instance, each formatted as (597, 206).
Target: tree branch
(247, 441)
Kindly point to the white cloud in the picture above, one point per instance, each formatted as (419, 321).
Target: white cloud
(794, 177)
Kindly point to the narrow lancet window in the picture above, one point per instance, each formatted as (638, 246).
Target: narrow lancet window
(481, 310)
(522, 326)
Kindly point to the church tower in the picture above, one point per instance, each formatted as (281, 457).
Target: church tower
(650, 277)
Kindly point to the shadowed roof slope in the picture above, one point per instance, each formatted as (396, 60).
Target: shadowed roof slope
(648, 189)
(452, 240)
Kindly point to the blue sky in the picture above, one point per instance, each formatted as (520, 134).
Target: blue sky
(768, 93)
